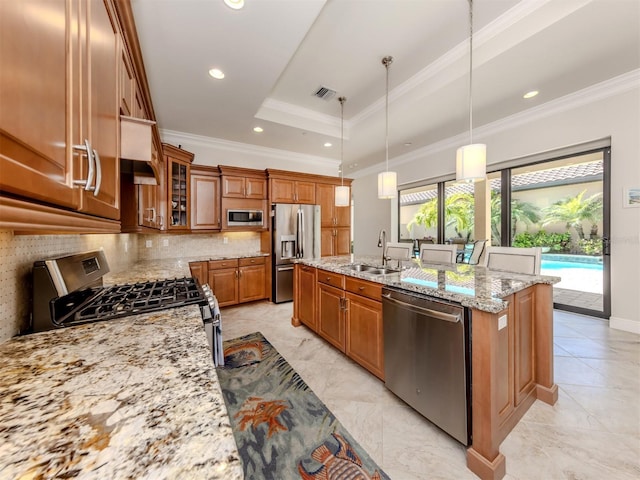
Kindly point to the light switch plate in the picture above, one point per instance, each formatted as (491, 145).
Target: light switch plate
(148, 243)
(165, 242)
(502, 322)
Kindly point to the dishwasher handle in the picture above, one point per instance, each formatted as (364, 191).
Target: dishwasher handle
(448, 317)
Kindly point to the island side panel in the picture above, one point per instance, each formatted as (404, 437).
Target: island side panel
(492, 392)
(546, 389)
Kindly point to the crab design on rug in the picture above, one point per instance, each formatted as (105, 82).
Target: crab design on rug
(343, 464)
(256, 411)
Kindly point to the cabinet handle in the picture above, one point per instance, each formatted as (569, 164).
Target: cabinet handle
(91, 173)
(360, 288)
(96, 159)
(161, 217)
(152, 218)
(236, 273)
(328, 279)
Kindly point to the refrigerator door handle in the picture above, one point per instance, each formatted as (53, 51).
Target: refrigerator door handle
(302, 245)
(298, 239)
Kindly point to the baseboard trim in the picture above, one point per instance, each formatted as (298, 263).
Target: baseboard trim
(624, 324)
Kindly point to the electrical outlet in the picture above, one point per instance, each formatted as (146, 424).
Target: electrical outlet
(225, 240)
(165, 242)
(502, 322)
(148, 243)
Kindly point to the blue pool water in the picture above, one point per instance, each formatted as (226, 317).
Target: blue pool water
(558, 265)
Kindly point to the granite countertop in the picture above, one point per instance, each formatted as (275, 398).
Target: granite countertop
(470, 285)
(136, 397)
(145, 270)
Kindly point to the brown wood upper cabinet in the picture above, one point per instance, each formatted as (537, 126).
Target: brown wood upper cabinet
(243, 183)
(292, 191)
(205, 198)
(59, 131)
(330, 215)
(178, 164)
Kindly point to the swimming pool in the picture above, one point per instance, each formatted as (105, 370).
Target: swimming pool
(578, 272)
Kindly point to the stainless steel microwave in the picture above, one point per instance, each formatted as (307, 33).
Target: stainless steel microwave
(245, 218)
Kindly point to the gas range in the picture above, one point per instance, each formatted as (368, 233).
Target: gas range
(123, 300)
(69, 291)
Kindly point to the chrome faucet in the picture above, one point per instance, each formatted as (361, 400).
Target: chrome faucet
(382, 242)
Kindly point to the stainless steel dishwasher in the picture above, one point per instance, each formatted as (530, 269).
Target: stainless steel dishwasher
(427, 358)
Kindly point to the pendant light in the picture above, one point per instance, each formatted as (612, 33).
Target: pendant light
(387, 180)
(471, 160)
(342, 192)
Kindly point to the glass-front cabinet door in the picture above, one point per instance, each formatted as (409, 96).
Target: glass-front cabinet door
(178, 187)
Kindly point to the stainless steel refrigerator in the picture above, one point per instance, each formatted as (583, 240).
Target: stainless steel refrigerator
(296, 234)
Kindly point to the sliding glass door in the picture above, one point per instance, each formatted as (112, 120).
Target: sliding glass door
(559, 204)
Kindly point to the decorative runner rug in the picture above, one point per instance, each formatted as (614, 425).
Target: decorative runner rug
(282, 429)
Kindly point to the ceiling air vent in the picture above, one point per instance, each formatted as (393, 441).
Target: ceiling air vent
(325, 93)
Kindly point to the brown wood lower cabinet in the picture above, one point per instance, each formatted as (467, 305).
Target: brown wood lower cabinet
(199, 271)
(304, 306)
(345, 311)
(364, 339)
(331, 317)
(236, 280)
(251, 279)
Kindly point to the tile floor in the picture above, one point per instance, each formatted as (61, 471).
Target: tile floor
(593, 432)
(577, 298)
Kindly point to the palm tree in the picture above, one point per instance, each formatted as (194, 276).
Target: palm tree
(427, 215)
(523, 212)
(458, 213)
(572, 211)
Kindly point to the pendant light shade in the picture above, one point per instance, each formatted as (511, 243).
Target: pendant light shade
(342, 196)
(471, 160)
(342, 193)
(387, 181)
(387, 185)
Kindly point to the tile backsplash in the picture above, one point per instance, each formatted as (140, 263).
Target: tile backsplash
(18, 252)
(159, 247)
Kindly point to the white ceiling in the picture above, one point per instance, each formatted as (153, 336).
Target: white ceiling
(275, 53)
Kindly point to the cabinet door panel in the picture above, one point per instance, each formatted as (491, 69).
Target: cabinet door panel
(330, 316)
(252, 283)
(35, 130)
(306, 192)
(224, 284)
(326, 200)
(233, 186)
(342, 241)
(282, 191)
(343, 216)
(256, 188)
(101, 109)
(205, 207)
(364, 341)
(199, 271)
(326, 242)
(524, 353)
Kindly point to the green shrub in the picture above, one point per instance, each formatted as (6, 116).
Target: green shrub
(591, 246)
(557, 242)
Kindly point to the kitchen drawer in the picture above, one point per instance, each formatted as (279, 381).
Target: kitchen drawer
(218, 264)
(330, 278)
(251, 261)
(362, 287)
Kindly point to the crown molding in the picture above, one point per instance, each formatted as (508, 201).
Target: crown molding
(614, 86)
(246, 148)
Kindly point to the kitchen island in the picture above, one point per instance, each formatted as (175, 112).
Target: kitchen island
(511, 332)
(136, 397)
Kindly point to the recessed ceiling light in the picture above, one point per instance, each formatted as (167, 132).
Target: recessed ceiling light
(258, 129)
(328, 144)
(530, 94)
(235, 4)
(216, 73)
(407, 144)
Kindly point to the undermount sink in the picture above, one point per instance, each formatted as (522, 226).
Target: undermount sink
(359, 267)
